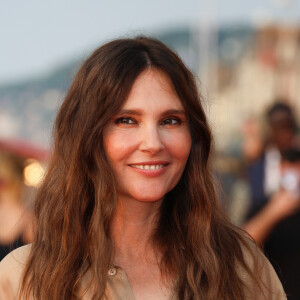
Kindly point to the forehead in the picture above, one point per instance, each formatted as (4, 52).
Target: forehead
(153, 88)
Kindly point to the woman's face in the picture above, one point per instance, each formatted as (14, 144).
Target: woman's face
(148, 142)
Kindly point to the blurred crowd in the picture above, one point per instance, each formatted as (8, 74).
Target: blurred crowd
(273, 173)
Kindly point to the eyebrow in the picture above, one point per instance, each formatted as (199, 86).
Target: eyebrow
(137, 112)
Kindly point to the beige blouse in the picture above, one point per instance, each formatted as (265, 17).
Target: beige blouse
(118, 286)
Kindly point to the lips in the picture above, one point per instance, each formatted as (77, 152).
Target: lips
(154, 168)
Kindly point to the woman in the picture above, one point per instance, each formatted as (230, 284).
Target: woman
(128, 208)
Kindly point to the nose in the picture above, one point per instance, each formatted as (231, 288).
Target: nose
(151, 140)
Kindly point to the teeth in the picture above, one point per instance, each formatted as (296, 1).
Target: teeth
(148, 167)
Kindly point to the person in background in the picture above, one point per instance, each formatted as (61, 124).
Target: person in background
(263, 154)
(274, 217)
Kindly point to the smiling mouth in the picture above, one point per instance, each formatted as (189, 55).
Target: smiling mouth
(149, 167)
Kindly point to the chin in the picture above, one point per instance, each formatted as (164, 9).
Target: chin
(146, 197)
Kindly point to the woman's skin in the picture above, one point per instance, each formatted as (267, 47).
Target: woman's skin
(147, 144)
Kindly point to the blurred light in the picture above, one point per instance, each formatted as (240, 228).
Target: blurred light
(33, 173)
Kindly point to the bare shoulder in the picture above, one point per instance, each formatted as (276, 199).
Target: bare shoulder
(265, 275)
(11, 268)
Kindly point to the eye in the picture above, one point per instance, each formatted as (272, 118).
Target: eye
(171, 121)
(125, 120)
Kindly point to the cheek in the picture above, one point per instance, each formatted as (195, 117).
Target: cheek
(180, 145)
(118, 145)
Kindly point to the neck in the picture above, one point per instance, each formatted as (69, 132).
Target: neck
(132, 225)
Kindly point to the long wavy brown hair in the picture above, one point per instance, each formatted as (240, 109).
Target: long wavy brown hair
(77, 199)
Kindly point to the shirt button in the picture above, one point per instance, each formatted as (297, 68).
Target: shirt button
(112, 272)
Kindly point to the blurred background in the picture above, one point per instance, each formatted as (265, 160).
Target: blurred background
(246, 55)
